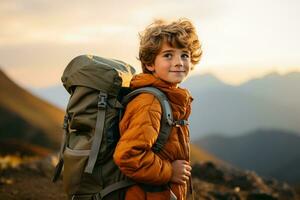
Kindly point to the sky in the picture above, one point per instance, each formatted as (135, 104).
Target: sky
(241, 39)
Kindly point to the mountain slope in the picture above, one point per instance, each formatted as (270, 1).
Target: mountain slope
(289, 171)
(198, 155)
(27, 118)
(228, 111)
(273, 153)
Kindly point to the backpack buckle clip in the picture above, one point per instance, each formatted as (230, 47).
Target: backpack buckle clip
(181, 123)
(170, 122)
(102, 100)
(66, 122)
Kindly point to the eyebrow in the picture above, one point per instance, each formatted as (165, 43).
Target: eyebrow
(171, 50)
(167, 51)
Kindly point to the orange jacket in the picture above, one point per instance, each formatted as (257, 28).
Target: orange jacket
(139, 129)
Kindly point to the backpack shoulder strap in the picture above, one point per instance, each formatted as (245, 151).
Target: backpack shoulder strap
(166, 118)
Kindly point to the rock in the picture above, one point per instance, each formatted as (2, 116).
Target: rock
(217, 182)
(6, 181)
(282, 189)
(44, 166)
(209, 172)
(261, 196)
(32, 180)
(225, 195)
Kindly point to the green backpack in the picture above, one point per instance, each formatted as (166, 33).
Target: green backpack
(99, 91)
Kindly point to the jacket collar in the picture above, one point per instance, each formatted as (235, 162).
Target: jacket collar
(175, 94)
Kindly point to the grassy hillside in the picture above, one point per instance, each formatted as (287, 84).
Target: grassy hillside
(26, 118)
(200, 155)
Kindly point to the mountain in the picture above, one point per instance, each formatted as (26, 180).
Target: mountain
(58, 95)
(270, 102)
(228, 111)
(289, 171)
(26, 119)
(271, 153)
(283, 89)
(202, 82)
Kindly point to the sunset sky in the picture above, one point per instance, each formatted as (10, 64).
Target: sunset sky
(241, 39)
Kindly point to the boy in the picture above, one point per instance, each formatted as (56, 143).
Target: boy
(168, 51)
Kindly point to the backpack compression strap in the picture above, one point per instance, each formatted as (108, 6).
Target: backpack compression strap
(167, 116)
(98, 136)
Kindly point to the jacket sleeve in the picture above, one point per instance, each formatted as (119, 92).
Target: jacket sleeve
(139, 129)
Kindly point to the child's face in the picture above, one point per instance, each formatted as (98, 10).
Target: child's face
(171, 64)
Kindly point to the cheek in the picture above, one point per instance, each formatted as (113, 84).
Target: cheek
(188, 66)
(162, 66)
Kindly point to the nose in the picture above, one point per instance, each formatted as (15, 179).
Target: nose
(178, 61)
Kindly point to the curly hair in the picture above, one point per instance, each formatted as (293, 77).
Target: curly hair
(179, 34)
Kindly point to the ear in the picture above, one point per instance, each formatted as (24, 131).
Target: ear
(150, 68)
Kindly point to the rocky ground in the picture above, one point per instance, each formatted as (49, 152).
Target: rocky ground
(32, 181)
(212, 182)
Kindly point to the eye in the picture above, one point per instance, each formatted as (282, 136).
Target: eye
(185, 56)
(168, 55)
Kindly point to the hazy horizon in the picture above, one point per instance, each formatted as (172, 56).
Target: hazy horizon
(257, 76)
(241, 40)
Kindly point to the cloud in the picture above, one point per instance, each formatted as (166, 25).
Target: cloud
(54, 21)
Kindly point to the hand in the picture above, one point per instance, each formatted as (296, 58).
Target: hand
(181, 171)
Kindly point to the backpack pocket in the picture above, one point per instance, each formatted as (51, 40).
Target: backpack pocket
(75, 162)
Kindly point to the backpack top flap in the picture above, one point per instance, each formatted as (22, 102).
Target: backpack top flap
(99, 73)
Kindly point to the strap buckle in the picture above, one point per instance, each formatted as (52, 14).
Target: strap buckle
(170, 121)
(96, 196)
(102, 100)
(181, 122)
(65, 124)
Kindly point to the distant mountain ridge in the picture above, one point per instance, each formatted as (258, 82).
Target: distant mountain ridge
(56, 95)
(283, 89)
(271, 101)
